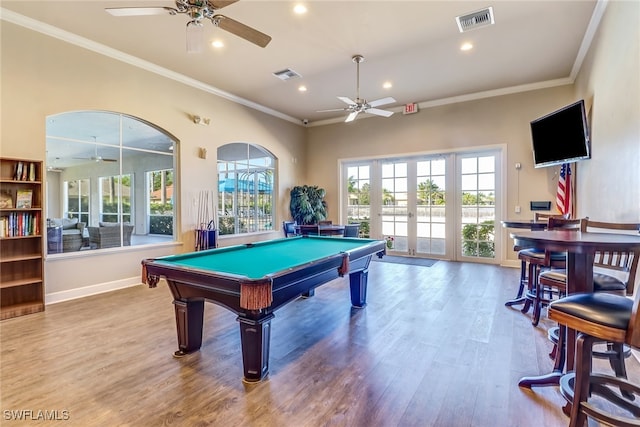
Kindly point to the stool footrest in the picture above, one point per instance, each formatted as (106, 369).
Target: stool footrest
(610, 389)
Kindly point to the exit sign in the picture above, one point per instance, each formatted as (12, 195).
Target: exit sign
(410, 108)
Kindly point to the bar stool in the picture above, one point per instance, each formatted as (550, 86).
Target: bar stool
(598, 317)
(525, 258)
(614, 273)
(536, 260)
(539, 289)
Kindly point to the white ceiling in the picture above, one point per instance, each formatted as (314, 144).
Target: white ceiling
(413, 44)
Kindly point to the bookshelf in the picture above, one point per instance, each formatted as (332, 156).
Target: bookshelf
(21, 238)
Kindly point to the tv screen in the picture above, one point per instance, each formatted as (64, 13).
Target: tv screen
(561, 136)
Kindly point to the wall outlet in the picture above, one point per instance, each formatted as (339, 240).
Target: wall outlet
(517, 209)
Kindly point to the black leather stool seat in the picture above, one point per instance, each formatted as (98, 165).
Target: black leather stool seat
(605, 309)
(537, 253)
(607, 283)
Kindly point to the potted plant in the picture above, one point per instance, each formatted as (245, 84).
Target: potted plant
(307, 204)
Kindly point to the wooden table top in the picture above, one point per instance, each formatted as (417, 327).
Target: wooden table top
(575, 241)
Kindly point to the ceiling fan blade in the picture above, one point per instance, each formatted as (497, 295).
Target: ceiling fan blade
(333, 109)
(138, 11)
(219, 4)
(108, 160)
(383, 101)
(239, 29)
(346, 100)
(378, 112)
(352, 116)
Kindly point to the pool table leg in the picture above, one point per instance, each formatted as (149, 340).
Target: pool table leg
(358, 285)
(189, 316)
(255, 336)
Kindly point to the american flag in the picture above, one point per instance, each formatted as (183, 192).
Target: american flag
(563, 195)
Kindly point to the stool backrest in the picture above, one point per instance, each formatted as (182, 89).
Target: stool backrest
(289, 228)
(559, 223)
(563, 224)
(621, 264)
(351, 230)
(540, 217)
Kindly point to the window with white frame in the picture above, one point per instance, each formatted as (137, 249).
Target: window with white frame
(160, 201)
(115, 198)
(77, 196)
(246, 176)
(98, 164)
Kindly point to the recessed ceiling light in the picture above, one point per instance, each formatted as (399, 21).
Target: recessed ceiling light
(302, 88)
(466, 46)
(217, 44)
(300, 9)
(387, 85)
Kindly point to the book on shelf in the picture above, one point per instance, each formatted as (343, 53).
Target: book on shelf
(23, 199)
(25, 171)
(18, 174)
(18, 224)
(6, 200)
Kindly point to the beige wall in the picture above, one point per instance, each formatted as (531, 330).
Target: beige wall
(43, 76)
(609, 184)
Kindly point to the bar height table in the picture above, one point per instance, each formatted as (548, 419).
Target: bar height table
(581, 248)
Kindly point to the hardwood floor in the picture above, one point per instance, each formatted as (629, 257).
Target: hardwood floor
(434, 347)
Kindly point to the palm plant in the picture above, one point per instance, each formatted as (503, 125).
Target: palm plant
(307, 204)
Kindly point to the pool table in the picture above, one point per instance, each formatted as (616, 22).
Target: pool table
(253, 281)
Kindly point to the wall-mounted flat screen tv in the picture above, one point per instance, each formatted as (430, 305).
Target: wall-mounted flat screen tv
(561, 136)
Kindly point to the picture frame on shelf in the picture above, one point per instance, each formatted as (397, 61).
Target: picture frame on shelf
(6, 200)
(24, 199)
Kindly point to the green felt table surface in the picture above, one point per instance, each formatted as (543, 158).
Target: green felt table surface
(264, 258)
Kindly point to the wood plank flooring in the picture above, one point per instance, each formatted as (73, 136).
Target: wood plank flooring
(435, 346)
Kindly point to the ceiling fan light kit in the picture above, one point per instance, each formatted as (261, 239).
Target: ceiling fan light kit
(198, 10)
(195, 35)
(361, 105)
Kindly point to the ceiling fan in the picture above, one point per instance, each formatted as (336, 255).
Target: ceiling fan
(361, 105)
(95, 158)
(197, 11)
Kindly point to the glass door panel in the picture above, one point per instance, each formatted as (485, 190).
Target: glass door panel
(478, 206)
(430, 207)
(359, 197)
(395, 209)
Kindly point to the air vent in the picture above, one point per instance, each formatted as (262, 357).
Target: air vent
(286, 74)
(471, 21)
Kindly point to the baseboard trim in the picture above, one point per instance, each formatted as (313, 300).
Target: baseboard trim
(512, 263)
(100, 288)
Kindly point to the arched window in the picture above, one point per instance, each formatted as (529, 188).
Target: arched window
(110, 182)
(246, 176)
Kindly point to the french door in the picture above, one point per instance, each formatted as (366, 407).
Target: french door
(437, 206)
